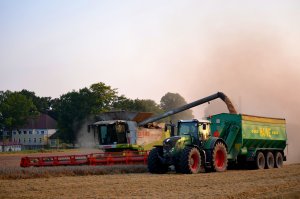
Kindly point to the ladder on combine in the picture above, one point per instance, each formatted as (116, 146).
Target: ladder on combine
(105, 158)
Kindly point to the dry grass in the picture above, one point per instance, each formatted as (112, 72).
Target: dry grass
(234, 184)
(59, 171)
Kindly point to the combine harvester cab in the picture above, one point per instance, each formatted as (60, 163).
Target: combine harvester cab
(122, 135)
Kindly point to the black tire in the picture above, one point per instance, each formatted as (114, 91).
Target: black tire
(219, 157)
(278, 160)
(177, 168)
(154, 163)
(269, 160)
(260, 160)
(190, 161)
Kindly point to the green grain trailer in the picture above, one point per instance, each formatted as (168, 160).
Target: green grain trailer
(251, 138)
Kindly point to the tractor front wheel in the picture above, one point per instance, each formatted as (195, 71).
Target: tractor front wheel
(219, 157)
(154, 163)
(190, 161)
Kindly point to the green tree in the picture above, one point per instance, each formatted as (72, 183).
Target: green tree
(43, 104)
(72, 108)
(139, 105)
(174, 100)
(15, 110)
(104, 97)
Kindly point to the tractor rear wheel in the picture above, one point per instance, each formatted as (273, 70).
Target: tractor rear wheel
(219, 159)
(154, 163)
(269, 161)
(278, 160)
(190, 161)
(260, 160)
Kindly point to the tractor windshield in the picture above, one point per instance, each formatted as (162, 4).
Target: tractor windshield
(188, 128)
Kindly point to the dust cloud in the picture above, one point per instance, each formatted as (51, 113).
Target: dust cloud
(85, 139)
(257, 71)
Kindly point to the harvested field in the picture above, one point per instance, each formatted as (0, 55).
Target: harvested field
(273, 183)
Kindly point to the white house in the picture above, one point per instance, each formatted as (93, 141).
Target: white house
(35, 134)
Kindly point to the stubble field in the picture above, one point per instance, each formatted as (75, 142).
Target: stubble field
(274, 183)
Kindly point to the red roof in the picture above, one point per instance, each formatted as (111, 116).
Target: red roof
(43, 121)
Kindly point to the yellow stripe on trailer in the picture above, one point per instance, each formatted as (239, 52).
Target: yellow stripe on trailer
(263, 119)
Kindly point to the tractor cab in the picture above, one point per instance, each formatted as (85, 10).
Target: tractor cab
(198, 130)
(190, 133)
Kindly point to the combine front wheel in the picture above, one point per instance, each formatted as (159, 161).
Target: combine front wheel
(220, 157)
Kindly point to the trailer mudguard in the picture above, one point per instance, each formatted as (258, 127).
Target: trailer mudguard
(210, 143)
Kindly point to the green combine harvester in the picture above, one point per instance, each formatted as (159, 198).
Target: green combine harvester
(222, 139)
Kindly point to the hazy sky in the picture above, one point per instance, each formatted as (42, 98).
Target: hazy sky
(250, 50)
(143, 48)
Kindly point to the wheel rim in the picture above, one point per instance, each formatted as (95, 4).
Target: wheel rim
(261, 161)
(279, 160)
(271, 162)
(194, 161)
(220, 158)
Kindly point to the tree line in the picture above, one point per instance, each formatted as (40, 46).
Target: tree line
(70, 109)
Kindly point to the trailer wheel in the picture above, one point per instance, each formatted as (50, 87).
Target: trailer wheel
(219, 157)
(270, 161)
(260, 160)
(278, 160)
(154, 163)
(190, 161)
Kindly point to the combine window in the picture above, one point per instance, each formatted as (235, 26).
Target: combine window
(121, 133)
(112, 133)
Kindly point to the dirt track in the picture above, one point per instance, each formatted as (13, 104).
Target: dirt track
(274, 183)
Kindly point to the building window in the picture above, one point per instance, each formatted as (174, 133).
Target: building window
(42, 132)
(14, 132)
(29, 140)
(24, 140)
(30, 132)
(40, 140)
(19, 140)
(34, 140)
(25, 132)
(14, 139)
(37, 132)
(20, 132)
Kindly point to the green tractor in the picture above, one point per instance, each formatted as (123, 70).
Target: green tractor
(237, 139)
(190, 151)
